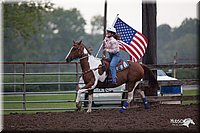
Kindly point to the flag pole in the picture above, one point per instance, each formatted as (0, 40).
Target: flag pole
(115, 20)
(104, 29)
(104, 36)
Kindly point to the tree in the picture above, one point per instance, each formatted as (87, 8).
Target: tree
(97, 24)
(164, 34)
(24, 19)
(60, 29)
(40, 35)
(182, 39)
(188, 25)
(21, 22)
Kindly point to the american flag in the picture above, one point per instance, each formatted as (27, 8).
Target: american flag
(131, 41)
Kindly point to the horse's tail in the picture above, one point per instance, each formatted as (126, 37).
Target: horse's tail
(153, 84)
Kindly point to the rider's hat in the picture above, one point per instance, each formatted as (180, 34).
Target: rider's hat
(111, 29)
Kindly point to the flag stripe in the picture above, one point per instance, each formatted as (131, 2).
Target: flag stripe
(141, 40)
(142, 48)
(145, 39)
(122, 48)
(138, 42)
(130, 53)
(137, 48)
(128, 49)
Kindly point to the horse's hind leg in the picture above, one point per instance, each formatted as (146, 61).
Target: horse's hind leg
(144, 99)
(130, 94)
(130, 87)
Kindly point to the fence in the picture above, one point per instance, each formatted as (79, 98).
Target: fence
(24, 73)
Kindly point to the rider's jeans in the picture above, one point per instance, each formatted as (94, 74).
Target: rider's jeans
(114, 59)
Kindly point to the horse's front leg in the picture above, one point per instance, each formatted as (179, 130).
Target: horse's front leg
(78, 97)
(88, 86)
(90, 98)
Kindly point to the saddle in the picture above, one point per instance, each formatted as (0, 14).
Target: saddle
(121, 65)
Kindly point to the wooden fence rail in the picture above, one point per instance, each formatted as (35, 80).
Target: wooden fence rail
(173, 82)
(169, 98)
(193, 66)
(179, 82)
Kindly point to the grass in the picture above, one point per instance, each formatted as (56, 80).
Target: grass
(38, 88)
(191, 92)
(58, 105)
(38, 78)
(39, 105)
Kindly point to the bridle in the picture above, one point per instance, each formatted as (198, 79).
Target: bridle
(83, 57)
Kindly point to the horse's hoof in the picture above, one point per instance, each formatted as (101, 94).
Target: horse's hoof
(89, 111)
(121, 110)
(146, 106)
(78, 106)
(124, 107)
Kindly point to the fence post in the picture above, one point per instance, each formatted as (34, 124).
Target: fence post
(14, 69)
(175, 62)
(59, 77)
(24, 86)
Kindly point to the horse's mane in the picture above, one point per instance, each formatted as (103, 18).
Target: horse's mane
(86, 48)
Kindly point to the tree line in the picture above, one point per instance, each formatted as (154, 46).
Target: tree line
(39, 32)
(180, 41)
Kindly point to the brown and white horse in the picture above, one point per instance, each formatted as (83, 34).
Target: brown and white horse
(94, 76)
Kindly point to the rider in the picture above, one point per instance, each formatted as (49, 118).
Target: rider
(111, 45)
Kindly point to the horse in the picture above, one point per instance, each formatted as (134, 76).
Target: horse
(94, 76)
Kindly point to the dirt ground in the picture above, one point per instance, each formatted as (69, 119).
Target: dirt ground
(159, 118)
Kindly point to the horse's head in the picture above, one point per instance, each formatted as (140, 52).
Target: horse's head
(78, 50)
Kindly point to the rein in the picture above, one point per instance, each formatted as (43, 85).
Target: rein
(83, 57)
(89, 69)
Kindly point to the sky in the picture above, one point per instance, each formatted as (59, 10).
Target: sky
(171, 12)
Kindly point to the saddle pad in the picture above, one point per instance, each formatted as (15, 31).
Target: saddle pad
(123, 66)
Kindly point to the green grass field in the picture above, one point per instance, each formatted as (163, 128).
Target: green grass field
(43, 97)
(38, 78)
(191, 92)
(59, 104)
